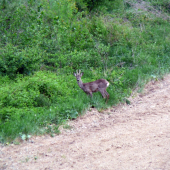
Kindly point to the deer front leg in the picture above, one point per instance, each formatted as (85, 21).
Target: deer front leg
(91, 94)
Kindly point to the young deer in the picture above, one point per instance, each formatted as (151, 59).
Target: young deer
(91, 87)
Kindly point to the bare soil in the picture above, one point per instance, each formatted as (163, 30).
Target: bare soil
(125, 137)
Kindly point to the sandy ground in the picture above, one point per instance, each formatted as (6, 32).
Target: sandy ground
(126, 137)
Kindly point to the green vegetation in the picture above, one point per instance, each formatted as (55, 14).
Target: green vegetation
(43, 42)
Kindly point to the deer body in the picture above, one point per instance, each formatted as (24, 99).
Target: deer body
(91, 87)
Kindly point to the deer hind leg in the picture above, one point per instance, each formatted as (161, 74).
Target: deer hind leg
(107, 95)
(102, 93)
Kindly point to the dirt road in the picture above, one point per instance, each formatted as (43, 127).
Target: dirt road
(126, 137)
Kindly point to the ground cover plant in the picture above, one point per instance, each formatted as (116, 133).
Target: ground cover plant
(43, 43)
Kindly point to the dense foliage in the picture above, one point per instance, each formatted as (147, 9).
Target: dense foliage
(43, 42)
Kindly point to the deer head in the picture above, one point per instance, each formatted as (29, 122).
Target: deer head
(78, 75)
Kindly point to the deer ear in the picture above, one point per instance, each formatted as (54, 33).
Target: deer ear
(82, 74)
(74, 74)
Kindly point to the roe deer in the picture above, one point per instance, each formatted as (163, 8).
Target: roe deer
(98, 85)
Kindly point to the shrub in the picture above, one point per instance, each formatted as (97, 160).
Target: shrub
(19, 61)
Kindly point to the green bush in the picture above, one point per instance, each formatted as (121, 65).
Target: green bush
(15, 61)
(97, 4)
(42, 88)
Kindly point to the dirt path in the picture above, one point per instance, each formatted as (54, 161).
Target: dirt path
(126, 137)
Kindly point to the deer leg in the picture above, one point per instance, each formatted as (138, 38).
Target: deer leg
(107, 95)
(102, 93)
(91, 94)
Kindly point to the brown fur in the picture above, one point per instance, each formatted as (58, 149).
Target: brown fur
(91, 87)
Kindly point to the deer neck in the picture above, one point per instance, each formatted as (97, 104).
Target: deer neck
(80, 83)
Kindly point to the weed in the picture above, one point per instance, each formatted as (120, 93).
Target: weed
(67, 127)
